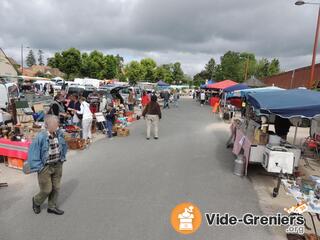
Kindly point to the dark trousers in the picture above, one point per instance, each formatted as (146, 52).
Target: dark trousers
(49, 182)
(131, 107)
(166, 104)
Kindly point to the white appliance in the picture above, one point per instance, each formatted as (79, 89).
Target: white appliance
(277, 158)
(296, 152)
(256, 153)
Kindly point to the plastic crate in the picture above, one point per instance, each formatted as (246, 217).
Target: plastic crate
(16, 163)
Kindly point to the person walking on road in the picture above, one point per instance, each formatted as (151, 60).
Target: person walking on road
(175, 98)
(145, 99)
(152, 114)
(166, 99)
(202, 98)
(46, 156)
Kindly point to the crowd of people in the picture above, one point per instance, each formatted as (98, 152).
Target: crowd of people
(77, 110)
(48, 150)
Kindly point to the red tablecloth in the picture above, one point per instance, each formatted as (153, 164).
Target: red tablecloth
(14, 149)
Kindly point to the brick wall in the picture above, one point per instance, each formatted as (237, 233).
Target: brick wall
(293, 79)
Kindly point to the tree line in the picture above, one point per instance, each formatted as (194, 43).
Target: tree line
(237, 66)
(100, 66)
(31, 59)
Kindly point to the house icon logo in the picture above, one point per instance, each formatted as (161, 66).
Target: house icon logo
(186, 218)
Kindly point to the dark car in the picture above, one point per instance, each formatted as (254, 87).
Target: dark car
(113, 92)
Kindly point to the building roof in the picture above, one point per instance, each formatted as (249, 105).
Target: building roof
(254, 82)
(33, 70)
(6, 67)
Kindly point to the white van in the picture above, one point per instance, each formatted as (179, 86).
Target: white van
(7, 92)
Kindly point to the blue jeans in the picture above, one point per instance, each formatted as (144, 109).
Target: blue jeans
(108, 125)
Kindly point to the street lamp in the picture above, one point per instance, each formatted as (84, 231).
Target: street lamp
(311, 80)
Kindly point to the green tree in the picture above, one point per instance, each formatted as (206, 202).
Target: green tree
(134, 72)
(111, 65)
(199, 78)
(210, 69)
(71, 63)
(96, 64)
(274, 67)
(247, 66)
(120, 68)
(40, 57)
(30, 60)
(164, 73)
(177, 73)
(56, 61)
(149, 67)
(231, 66)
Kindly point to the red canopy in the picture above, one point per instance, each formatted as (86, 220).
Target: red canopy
(222, 85)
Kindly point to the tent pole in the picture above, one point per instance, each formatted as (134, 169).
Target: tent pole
(295, 135)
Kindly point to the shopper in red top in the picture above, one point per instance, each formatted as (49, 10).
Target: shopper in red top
(144, 99)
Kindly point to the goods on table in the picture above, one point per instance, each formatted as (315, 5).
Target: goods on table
(260, 137)
(76, 143)
(123, 132)
(72, 128)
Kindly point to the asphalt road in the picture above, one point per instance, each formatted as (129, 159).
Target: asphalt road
(126, 188)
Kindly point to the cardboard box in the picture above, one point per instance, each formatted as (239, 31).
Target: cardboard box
(16, 163)
(123, 132)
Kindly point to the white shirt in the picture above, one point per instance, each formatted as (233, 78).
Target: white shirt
(203, 96)
(85, 111)
(103, 104)
(1, 116)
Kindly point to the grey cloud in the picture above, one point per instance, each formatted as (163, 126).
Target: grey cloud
(169, 30)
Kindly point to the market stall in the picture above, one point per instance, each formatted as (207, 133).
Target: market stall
(257, 144)
(230, 105)
(216, 92)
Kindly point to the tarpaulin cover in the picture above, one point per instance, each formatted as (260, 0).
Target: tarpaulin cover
(233, 88)
(245, 92)
(162, 84)
(287, 103)
(203, 86)
(222, 85)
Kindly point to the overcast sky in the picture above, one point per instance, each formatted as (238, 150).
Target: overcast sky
(189, 31)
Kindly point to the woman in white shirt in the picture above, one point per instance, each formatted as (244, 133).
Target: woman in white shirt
(86, 118)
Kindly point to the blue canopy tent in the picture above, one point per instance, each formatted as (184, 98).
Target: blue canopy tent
(204, 86)
(162, 84)
(245, 92)
(293, 104)
(240, 86)
(288, 103)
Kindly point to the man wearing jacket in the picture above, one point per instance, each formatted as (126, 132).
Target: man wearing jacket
(46, 156)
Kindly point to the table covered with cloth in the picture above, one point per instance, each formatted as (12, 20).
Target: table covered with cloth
(14, 149)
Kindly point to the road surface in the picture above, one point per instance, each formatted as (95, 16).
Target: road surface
(126, 188)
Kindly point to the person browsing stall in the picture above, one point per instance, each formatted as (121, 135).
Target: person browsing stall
(58, 108)
(110, 118)
(87, 118)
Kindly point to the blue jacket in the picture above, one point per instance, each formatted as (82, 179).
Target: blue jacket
(39, 150)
